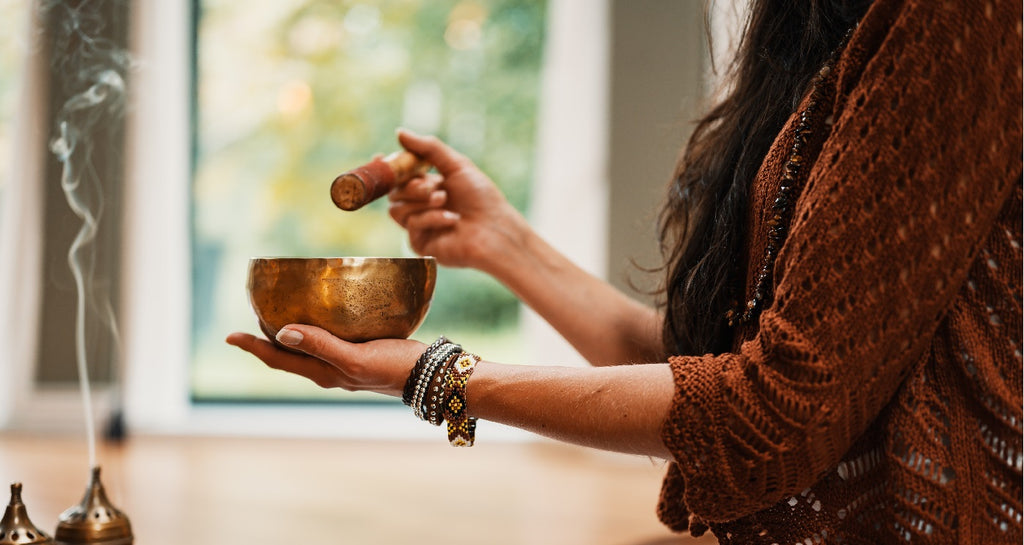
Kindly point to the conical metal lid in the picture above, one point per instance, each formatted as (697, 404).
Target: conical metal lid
(15, 527)
(95, 520)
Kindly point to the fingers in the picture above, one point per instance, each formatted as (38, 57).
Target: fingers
(417, 189)
(436, 152)
(422, 199)
(431, 220)
(417, 195)
(320, 372)
(422, 216)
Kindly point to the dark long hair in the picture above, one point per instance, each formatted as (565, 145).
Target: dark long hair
(703, 223)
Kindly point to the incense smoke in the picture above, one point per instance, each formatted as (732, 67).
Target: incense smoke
(92, 69)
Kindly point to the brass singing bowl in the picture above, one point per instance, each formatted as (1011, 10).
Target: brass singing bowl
(356, 298)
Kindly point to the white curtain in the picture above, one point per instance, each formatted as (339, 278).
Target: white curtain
(21, 235)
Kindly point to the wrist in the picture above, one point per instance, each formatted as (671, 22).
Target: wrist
(526, 264)
(506, 246)
(436, 390)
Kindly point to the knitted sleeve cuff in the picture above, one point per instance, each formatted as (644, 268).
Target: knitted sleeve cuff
(690, 432)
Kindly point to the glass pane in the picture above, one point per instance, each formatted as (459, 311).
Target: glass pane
(13, 35)
(290, 94)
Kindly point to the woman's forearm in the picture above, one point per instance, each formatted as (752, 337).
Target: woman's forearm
(602, 323)
(618, 408)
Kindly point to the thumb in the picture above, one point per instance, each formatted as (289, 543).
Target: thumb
(436, 152)
(314, 341)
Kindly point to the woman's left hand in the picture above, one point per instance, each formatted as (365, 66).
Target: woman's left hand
(380, 366)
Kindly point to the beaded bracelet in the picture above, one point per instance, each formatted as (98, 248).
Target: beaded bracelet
(425, 365)
(461, 426)
(435, 361)
(422, 404)
(423, 372)
(417, 378)
(434, 401)
(417, 370)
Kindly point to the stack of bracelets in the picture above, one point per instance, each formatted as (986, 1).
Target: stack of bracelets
(436, 389)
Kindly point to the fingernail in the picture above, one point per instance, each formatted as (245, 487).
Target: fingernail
(449, 215)
(289, 337)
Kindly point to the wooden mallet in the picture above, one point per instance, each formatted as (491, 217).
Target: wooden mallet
(360, 186)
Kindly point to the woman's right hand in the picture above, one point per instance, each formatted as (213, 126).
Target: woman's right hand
(461, 218)
(457, 215)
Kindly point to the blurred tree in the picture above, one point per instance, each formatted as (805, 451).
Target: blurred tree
(292, 93)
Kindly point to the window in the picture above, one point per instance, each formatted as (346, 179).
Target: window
(290, 94)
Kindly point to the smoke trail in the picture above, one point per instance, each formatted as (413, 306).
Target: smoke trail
(92, 69)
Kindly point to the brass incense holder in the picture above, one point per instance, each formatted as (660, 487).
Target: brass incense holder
(15, 527)
(355, 298)
(94, 521)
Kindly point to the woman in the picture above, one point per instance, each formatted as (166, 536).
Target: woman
(842, 323)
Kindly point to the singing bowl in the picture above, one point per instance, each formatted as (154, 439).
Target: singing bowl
(356, 298)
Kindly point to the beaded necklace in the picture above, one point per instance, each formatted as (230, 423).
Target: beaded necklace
(789, 190)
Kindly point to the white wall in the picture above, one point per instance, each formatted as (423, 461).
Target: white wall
(570, 191)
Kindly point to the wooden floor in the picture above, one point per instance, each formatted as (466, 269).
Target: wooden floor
(215, 491)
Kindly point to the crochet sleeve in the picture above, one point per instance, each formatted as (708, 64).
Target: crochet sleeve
(924, 151)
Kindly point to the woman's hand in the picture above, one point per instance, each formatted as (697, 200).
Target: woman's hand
(380, 366)
(458, 215)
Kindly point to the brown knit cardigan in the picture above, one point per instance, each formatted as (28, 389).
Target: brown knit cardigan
(878, 398)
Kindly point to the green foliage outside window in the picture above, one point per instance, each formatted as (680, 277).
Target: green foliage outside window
(290, 94)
